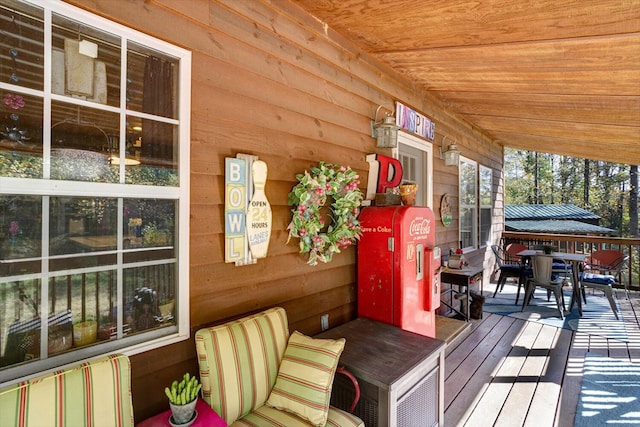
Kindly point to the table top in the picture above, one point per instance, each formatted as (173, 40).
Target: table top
(467, 270)
(557, 255)
(382, 354)
(96, 242)
(206, 417)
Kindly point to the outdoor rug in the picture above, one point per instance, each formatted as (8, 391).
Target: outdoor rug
(597, 317)
(610, 392)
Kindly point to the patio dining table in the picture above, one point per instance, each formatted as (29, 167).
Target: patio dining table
(576, 261)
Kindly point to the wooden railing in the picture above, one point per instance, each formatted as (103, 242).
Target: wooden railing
(585, 245)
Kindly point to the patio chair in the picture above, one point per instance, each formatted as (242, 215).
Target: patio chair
(543, 277)
(513, 249)
(608, 262)
(508, 269)
(602, 282)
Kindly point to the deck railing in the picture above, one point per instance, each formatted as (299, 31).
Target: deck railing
(585, 245)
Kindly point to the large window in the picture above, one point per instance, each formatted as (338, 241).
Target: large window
(485, 190)
(94, 185)
(468, 187)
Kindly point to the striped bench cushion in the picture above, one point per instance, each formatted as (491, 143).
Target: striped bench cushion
(96, 393)
(239, 361)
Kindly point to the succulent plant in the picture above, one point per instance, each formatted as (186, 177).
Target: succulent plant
(183, 392)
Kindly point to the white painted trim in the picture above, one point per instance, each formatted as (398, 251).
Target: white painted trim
(46, 188)
(422, 145)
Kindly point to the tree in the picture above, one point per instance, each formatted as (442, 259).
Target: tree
(609, 190)
(633, 201)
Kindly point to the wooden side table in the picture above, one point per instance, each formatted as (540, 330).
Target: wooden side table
(401, 374)
(207, 417)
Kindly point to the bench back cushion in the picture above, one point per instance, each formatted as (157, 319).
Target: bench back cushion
(96, 393)
(239, 361)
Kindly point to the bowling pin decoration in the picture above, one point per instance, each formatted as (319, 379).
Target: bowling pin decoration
(259, 213)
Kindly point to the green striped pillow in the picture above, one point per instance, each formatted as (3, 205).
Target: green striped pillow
(304, 381)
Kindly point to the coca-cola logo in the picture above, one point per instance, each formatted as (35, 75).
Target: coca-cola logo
(420, 227)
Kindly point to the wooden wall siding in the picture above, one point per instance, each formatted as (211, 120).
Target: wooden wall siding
(269, 80)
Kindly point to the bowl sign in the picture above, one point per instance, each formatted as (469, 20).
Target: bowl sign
(247, 220)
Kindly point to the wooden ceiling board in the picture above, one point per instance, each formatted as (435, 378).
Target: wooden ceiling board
(586, 149)
(593, 66)
(566, 108)
(558, 75)
(381, 25)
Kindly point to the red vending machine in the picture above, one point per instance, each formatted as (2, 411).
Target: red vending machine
(399, 267)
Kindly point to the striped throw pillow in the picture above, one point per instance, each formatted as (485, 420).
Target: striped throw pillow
(304, 381)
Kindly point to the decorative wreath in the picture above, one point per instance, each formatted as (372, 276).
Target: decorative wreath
(310, 195)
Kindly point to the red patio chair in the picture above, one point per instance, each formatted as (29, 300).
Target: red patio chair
(607, 262)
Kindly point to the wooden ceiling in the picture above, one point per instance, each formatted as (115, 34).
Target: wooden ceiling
(555, 76)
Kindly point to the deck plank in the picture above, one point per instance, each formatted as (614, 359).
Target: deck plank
(487, 411)
(481, 329)
(547, 393)
(480, 374)
(510, 372)
(516, 408)
(474, 354)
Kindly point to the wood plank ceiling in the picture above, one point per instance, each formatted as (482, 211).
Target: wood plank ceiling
(555, 76)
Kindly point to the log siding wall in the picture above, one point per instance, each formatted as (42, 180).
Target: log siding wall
(270, 80)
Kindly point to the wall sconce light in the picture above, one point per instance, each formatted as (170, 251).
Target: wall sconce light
(385, 131)
(452, 155)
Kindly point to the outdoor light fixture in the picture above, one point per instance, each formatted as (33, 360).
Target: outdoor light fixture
(452, 155)
(385, 131)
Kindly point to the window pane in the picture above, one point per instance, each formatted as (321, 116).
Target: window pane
(19, 322)
(149, 223)
(151, 296)
(90, 301)
(467, 184)
(20, 234)
(466, 227)
(485, 186)
(21, 136)
(85, 62)
(152, 82)
(82, 143)
(155, 145)
(22, 45)
(485, 225)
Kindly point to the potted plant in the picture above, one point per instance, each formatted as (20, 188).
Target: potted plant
(85, 333)
(166, 308)
(182, 400)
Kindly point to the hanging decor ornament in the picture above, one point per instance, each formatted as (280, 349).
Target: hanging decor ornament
(310, 196)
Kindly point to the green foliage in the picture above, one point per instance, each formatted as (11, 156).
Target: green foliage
(308, 198)
(83, 165)
(532, 178)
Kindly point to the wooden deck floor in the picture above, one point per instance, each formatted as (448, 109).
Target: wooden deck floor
(510, 372)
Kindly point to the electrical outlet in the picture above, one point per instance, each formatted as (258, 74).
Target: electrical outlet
(324, 322)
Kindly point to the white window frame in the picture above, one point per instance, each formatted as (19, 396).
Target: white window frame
(465, 162)
(427, 147)
(46, 187)
(485, 172)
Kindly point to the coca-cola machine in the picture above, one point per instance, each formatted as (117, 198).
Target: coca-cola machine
(399, 267)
